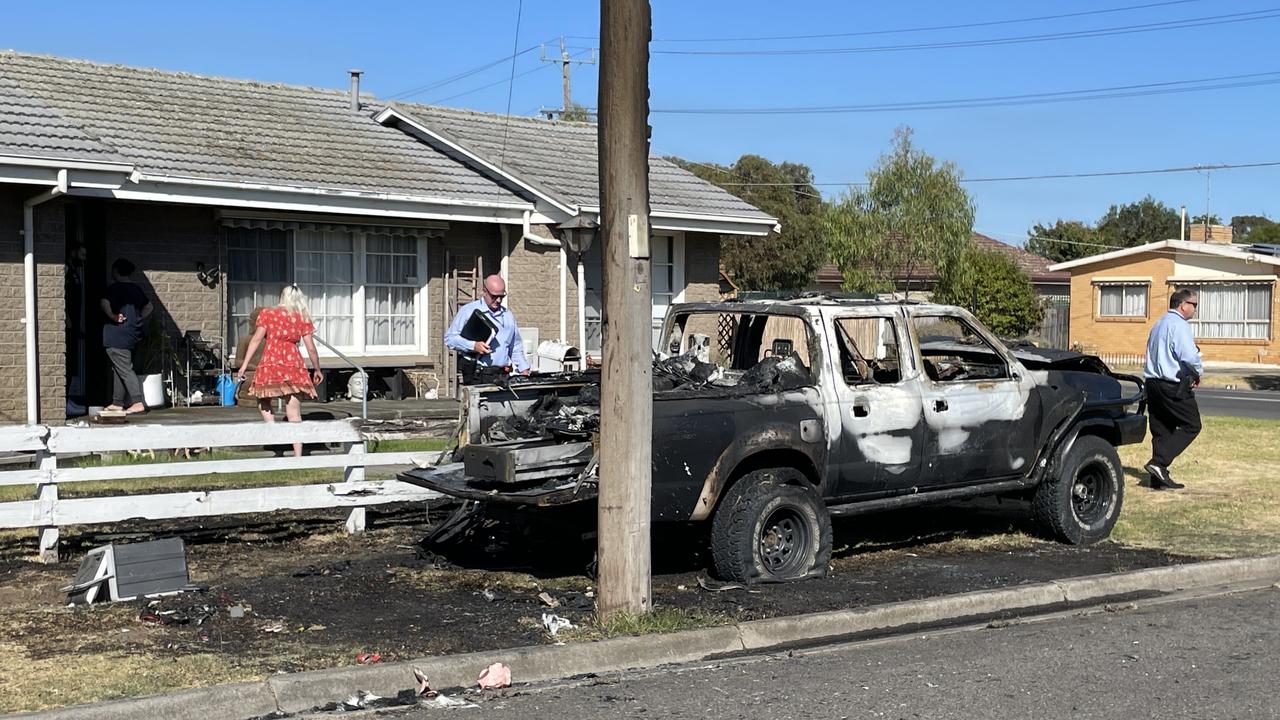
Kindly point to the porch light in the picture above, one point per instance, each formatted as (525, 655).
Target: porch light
(577, 234)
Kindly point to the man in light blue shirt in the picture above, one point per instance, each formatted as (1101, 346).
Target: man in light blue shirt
(504, 349)
(1172, 370)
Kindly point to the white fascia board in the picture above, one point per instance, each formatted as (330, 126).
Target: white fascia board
(336, 205)
(1224, 250)
(693, 222)
(47, 175)
(1103, 257)
(448, 145)
(151, 180)
(57, 164)
(1179, 245)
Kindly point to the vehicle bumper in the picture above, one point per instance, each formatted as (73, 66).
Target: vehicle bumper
(1132, 428)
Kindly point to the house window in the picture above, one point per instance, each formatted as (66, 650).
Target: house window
(391, 285)
(257, 267)
(1236, 311)
(667, 285)
(361, 284)
(323, 269)
(1122, 301)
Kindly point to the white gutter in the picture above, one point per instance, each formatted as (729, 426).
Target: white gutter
(323, 191)
(29, 291)
(33, 161)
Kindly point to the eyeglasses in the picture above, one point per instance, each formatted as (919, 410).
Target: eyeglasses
(1192, 304)
(495, 296)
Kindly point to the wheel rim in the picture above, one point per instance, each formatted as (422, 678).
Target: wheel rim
(784, 542)
(1091, 492)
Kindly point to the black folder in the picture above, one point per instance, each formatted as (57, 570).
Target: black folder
(479, 327)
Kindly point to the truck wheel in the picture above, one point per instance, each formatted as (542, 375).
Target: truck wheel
(771, 526)
(1081, 502)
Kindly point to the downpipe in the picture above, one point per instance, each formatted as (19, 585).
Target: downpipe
(29, 292)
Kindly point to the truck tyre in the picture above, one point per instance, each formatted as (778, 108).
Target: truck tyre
(771, 526)
(1080, 502)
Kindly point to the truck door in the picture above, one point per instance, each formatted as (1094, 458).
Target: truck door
(878, 403)
(980, 408)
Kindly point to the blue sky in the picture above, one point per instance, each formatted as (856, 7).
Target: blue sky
(408, 45)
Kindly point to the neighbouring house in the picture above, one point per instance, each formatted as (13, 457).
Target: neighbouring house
(222, 191)
(1053, 286)
(1116, 297)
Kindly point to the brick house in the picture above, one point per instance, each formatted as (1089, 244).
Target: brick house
(222, 191)
(1117, 296)
(1053, 286)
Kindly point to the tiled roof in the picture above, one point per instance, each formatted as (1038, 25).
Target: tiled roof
(1035, 266)
(195, 126)
(179, 124)
(560, 157)
(30, 128)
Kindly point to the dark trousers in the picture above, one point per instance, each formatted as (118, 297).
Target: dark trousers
(1174, 417)
(126, 389)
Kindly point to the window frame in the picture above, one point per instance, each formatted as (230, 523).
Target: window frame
(359, 316)
(1197, 322)
(893, 322)
(1102, 286)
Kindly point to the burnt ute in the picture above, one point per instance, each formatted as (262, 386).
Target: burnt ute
(772, 417)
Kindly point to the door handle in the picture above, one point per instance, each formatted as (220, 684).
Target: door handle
(940, 405)
(861, 408)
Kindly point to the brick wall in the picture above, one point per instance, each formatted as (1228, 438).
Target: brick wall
(50, 308)
(1128, 336)
(460, 245)
(166, 242)
(701, 267)
(533, 281)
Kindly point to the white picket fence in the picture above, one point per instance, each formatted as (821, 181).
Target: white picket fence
(49, 513)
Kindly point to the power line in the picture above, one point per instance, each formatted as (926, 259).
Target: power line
(1170, 87)
(1204, 21)
(506, 123)
(931, 28)
(462, 75)
(1054, 176)
(898, 31)
(486, 86)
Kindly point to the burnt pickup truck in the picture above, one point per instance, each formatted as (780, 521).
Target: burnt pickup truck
(771, 417)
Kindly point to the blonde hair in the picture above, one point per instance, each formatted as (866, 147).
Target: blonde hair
(294, 300)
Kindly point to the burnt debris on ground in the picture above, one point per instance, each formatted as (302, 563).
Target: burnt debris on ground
(292, 597)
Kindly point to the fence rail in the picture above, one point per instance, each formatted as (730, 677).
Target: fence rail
(49, 513)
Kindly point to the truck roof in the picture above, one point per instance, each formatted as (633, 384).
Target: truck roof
(798, 305)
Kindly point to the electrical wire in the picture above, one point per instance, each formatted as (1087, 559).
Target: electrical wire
(1171, 87)
(462, 75)
(1204, 21)
(506, 124)
(1054, 176)
(897, 31)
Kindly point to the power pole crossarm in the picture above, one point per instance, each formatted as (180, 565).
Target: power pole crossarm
(566, 62)
(626, 383)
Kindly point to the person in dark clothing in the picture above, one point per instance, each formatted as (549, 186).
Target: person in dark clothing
(126, 308)
(1172, 371)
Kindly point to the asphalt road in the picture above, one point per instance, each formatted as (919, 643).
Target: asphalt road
(1239, 403)
(1194, 658)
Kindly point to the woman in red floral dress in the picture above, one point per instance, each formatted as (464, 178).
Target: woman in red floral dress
(280, 372)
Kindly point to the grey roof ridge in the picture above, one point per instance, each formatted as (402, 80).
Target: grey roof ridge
(177, 73)
(478, 160)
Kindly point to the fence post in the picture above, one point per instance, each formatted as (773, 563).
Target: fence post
(354, 472)
(47, 497)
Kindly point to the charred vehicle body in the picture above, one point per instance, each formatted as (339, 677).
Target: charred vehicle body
(771, 417)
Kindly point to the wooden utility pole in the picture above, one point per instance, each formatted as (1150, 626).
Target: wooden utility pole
(626, 384)
(566, 62)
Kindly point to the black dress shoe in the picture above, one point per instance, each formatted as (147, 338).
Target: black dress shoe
(1160, 478)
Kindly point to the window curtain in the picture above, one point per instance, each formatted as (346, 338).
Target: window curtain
(323, 270)
(1233, 311)
(1122, 300)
